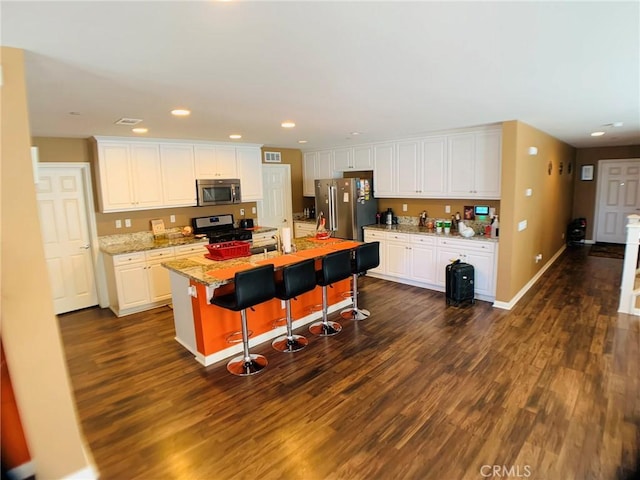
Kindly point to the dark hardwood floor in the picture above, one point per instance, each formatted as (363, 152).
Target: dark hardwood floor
(549, 390)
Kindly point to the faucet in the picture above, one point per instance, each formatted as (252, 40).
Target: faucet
(278, 240)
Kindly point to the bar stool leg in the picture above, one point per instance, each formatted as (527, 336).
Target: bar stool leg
(355, 313)
(325, 328)
(248, 363)
(289, 342)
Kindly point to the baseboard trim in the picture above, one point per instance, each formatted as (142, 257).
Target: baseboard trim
(511, 303)
(22, 472)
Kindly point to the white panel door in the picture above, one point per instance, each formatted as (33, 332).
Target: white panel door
(275, 208)
(618, 197)
(65, 233)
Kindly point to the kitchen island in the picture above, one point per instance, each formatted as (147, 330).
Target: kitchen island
(208, 331)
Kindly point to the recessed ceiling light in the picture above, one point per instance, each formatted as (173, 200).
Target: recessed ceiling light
(139, 130)
(180, 112)
(235, 136)
(355, 133)
(287, 124)
(302, 141)
(597, 134)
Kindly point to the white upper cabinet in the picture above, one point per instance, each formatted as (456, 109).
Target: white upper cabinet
(316, 165)
(456, 165)
(408, 162)
(215, 161)
(474, 164)
(178, 175)
(158, 173)
(384, 171)
(433, 171)
(249, 163)
(130, 176)
(308, 173)
(363, 158)
(353, 159)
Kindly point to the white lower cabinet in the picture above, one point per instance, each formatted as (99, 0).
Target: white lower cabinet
(421, 260)
(374, 236)
(481, 255)
(138, 281)
(303, 229)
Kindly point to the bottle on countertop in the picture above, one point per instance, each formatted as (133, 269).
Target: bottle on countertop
(312, 212)
(389, 216)
(495, 227)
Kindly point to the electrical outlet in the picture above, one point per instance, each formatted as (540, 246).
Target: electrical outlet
(172, 219)
(404, 207)
(242, 212)
(118, 223)
(447, 209)
(127, 222)
(253, 210)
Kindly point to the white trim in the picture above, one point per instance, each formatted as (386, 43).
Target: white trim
(511, 303)
(100, 138)
(87, 473)
(207, 360)
(22, 472)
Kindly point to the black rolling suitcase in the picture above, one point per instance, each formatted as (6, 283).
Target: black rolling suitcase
(459, 283)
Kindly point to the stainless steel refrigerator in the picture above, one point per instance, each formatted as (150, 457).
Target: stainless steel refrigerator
(347, 204)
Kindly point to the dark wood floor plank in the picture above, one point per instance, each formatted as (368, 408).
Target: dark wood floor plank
(418, 391)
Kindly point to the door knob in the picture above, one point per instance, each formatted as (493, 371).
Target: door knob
(86, 247)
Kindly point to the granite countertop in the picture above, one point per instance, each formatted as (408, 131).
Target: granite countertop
(415, 229)
(145, 243)
(197, 267)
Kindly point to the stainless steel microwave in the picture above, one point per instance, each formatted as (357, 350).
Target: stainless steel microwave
(218, 192)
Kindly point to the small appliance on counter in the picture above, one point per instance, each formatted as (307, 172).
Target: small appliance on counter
(246, 223)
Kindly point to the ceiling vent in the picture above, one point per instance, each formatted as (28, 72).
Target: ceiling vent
(272, 157)
(128, 121)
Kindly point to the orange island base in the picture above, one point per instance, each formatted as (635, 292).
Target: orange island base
(210, 333)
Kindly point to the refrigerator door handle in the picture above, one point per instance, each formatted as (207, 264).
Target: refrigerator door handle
(333, 224)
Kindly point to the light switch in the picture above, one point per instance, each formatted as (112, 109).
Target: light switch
(172, 219)
(404, 207)
(522, 225)
(447, 209)
(528, 192)
(242, 212)
(253, 209)
(127, 223)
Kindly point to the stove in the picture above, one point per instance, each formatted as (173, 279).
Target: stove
(219, 228)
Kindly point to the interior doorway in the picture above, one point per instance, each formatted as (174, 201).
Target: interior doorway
(275, 209)
(618, 195)
(65, 208)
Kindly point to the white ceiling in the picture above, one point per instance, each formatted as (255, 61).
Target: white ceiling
(386, 69)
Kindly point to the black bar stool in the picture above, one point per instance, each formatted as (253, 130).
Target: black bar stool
(252, 287)
(296, 280)
(336, 266)
(366, 257)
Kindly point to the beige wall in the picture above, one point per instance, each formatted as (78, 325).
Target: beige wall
(293, 157)
(585, 191)
(435, 207)
(30, 332)
(547, 211)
